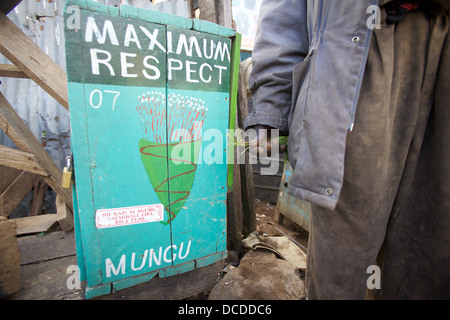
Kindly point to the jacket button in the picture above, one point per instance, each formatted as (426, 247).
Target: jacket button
(355, 39)
(329, 191)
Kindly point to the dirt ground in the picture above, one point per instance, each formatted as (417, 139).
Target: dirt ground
(268, 224)
(253, 277)
(249, 278)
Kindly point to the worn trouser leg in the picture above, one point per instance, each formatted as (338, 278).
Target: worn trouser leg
(417, 247)
(385, 168)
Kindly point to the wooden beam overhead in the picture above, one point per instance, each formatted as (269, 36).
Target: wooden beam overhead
(11, 71)
(20, 160)
(33, 61)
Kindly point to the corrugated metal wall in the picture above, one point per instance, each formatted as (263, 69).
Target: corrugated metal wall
(49, 121)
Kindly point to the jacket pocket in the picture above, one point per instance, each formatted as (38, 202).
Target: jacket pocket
(300, 84)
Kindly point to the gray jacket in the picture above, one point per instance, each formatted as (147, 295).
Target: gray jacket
(308, 65)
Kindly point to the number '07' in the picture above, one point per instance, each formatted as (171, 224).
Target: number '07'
(96, 98)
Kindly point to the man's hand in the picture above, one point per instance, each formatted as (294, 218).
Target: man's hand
(264, 139)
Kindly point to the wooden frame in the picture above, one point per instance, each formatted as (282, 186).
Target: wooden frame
(29, 62)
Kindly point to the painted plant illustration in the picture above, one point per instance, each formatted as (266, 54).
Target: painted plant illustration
(171, 127)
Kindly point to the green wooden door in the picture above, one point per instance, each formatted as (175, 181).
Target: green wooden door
(149, 109)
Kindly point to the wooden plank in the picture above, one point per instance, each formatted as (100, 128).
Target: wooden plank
(8, 176)
(47, 281)
(44, 260)
(40, 187)
(9, 259)
(20, 160)
(35, 224)
(22, 136)
(32, 60)
(234, 198)
(39, 248)
(14, 194)
(223, 12)
(207, 10)
(64, 215)
(235, 209)
(11, 71)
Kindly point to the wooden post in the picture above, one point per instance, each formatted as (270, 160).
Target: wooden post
(216, 11)
(9, 259)
(207, 10)
(64, 215)
(21, 160)
(235, 210)
(223, 12)
(246, 170)
(40, 187)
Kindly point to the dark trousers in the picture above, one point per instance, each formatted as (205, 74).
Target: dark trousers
(394, 209)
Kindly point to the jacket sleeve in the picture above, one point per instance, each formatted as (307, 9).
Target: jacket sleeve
(281, 42)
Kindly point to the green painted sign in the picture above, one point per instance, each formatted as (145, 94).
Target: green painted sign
(130, 52)
(149, 96)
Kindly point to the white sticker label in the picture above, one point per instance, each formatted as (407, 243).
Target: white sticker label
(108, 218)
